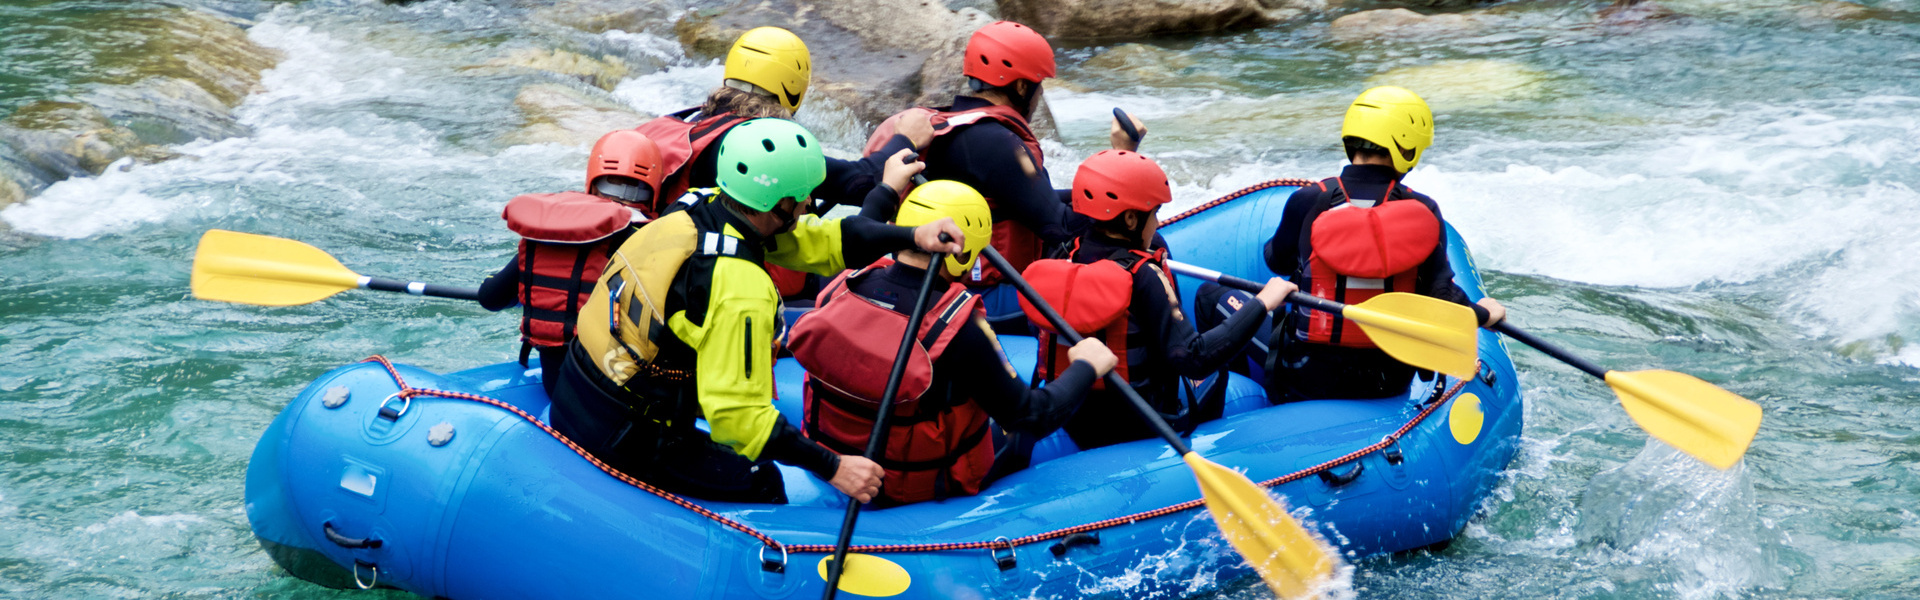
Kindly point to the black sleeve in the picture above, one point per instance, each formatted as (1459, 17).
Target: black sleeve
(501, 290)
(1283, 249)
(864, 240)
(881, 203)
(1192, 354)
(987, 378)
(787, 445)
(849, 181)
(991, 155)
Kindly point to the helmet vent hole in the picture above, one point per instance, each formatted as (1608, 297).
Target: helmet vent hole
(1006, 62)
(801, 140)
(768, 144)
(983, 60)
(1087, 193)
(1111, 196)
(742, 167)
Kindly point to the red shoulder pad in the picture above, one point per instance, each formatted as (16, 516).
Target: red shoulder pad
(565, 218)
(1376, 242)
(1089, 296)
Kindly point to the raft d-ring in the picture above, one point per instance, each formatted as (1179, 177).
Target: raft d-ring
(1004, 562)
(371, 568)
(389, 413)
(770, 566)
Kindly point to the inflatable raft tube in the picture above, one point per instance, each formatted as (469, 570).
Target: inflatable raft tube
(450, 486)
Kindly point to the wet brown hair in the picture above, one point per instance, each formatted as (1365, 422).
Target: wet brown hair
(724, 99)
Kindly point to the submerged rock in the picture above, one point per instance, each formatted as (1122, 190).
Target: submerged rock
(1094, 19)
(558, 114)
(601, 16)
(604, 72)
(58, 140)
(1461, 84)
(1628, 12)
(1400, 23)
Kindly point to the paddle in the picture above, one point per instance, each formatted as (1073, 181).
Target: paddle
(1126, 125)
(269, 271)
(877, 441)
(1429, 333)
(1292, 561)
(1699, 418)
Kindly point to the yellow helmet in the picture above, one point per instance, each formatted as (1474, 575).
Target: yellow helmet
(1391, 118)
(935, 199)
(774, 60)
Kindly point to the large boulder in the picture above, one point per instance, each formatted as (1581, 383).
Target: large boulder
(872, 57)
(1400, 23)
(1097, 19)
(1468, 83)
(58, 140)
(601, 16)
(604, 72)
(559, 114)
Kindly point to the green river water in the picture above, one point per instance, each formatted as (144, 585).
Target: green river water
(1731, 194)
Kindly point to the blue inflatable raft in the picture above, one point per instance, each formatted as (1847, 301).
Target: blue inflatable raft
(450, 486)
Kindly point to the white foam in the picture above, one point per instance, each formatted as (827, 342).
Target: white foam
(674, 88)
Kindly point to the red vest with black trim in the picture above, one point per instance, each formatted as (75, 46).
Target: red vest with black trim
(1360, 249)
(1019, 244)
(681, 141)
(1093, 294)
(565, 239)
(937, 445)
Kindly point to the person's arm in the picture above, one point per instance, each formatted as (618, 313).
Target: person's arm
(849, 181)
(1192, 354)
(734, 370)
(501, 290)
(984, 374)
(1020, 189)
(827, 246)
(1283, 249)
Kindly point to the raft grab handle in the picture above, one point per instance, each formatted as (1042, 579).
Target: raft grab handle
(343, 541)
(1085, 538)
(1334, 480)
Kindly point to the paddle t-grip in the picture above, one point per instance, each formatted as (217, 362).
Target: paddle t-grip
(1126, 125)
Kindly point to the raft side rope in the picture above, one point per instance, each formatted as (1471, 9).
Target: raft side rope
(1000, 543)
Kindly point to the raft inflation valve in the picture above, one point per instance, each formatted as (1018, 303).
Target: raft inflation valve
(440, 434)
(335, 396)
(1007, 562)
(772, 566)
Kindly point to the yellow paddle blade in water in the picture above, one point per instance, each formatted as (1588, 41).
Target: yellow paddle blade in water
(1429, 333)
(1294, 563)
(269, 271)
(1698, 418)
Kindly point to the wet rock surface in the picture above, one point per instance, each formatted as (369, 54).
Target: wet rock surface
(1395, 23)
(603, 72)
(1107, 19)
(558, 114)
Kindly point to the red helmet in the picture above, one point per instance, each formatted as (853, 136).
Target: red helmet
(1004, 52)
(627, 153)
(1116, 181)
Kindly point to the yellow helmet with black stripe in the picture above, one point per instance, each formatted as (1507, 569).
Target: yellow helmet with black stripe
(934, 200)
(774, 60)
(1394, 119)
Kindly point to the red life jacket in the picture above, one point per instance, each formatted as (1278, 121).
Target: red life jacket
(1094, 298)
(680, 142)
(565, 239)
(1019, 244)
(937, 445)
(1355, 253)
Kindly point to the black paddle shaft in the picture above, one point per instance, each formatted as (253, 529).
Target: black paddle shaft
(420, 289)
(1549, 349)
(1307, 300)
(877, 441)
(1060, 325)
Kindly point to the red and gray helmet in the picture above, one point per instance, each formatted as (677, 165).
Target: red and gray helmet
(626, 153)
(1115, 181)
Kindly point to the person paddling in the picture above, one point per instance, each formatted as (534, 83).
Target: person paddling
(985, 141)
(682, 323)
(1112, 284)
(564, 242)
(1352, 237)
(939, 443)
(768, 71)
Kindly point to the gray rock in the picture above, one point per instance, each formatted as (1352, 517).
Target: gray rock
(1097, 19)
(558, 114)
(1400, 23)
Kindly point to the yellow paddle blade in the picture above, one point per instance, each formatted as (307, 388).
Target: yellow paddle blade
(1698, 418)
(1294, 563)
(1429, 333)
(269, 271)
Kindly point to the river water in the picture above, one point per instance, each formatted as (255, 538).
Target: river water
(1730, 194)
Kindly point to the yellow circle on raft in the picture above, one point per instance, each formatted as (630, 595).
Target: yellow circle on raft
(869, 576)
(1465, 419)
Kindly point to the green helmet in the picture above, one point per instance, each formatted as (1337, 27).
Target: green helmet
(764, 161)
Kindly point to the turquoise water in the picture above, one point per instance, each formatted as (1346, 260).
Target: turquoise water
(1731, 194)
